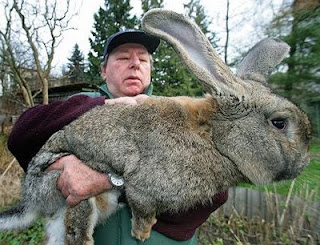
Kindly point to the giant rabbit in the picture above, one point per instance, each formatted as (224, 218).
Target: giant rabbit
(172, 152)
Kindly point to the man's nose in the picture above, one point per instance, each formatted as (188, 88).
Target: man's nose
(134, 61)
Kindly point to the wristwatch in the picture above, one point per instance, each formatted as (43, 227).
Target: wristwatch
(116, 180)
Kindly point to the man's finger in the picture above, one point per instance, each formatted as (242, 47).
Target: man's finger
(60, 183)
(57, 165)
(72, 201)
(65, 192)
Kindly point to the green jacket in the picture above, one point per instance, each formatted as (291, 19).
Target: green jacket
(117, 229)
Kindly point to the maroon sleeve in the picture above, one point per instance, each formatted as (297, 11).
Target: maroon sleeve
(182, 226)
(35, 126)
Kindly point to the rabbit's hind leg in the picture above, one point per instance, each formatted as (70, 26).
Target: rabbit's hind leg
(80, 222)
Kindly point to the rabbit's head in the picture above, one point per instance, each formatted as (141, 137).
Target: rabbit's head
(263, 134)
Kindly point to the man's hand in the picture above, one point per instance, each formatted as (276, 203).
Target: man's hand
(78, 181)
(135, 100)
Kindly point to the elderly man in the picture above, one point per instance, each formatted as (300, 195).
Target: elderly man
(126, 70)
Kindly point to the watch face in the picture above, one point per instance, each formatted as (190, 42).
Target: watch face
(116, 181)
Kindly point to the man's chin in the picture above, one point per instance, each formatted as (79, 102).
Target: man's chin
(134, 92)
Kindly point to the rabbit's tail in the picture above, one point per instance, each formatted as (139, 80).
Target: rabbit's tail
(17, 218)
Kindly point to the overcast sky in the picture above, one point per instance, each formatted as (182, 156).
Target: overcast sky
(215, 9)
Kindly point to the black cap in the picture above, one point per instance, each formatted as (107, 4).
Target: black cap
(131, 36)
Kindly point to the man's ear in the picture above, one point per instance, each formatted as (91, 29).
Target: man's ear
(103, 71)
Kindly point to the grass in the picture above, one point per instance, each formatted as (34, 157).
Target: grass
(315, 149)
(10, 182)
(10, 176)
(239, 230)
(32, 236)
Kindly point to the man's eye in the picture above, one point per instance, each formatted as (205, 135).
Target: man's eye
(143, 58)
(279, 123)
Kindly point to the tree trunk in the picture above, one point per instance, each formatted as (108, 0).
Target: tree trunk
(45, 92)
(26, 93)
(227, 34)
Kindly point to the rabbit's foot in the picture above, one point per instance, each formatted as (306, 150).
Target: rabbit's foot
(141, 228)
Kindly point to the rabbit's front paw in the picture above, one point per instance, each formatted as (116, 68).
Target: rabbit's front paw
(142, 231)
(141, 235)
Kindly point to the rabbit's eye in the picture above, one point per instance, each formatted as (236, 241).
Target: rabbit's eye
(279, 123)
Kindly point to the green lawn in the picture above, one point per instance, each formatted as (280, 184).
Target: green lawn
(315, 148)
(32, 236)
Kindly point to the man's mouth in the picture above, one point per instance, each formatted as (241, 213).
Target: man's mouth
(133, 78)
(133, 81)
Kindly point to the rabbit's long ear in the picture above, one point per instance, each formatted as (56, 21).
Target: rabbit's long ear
(193, 47)
(262, 58)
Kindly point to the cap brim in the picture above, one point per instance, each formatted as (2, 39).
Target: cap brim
(149, 42)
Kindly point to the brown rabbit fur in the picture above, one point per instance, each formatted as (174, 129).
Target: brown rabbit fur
(173, 152)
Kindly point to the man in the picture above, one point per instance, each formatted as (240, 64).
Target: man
(126, 70)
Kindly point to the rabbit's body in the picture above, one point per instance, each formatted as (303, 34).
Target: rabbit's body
(175, 152)
(137, 137)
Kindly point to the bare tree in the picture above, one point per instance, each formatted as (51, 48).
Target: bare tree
(227, 34)
(32, 32)
(245, 23)
(234, 20)
(8, 54)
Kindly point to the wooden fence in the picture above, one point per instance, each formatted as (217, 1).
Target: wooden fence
(272, 207)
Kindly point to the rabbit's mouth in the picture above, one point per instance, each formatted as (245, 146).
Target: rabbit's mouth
(284, 175)
(294, 170)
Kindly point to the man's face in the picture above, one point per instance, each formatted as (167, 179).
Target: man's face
(128, 70)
